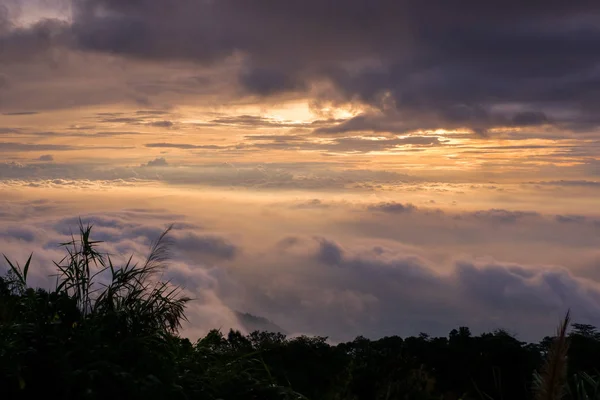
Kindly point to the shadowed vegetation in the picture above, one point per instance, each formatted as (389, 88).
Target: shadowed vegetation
(110, 331)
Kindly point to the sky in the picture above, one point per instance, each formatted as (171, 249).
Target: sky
(339, 168)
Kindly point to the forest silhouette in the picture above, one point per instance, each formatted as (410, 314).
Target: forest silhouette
(111, 332)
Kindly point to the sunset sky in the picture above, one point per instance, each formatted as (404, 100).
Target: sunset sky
(370, 167)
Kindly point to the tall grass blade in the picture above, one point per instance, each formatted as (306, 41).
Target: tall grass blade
(551, 383)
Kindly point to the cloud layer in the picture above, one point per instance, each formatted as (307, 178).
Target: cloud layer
(333, 268)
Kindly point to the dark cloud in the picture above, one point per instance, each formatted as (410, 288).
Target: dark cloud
(462, 117)
(265, 82)
(330, 253)
(567, 183)
(297, 142)
(255, 121)
(434, 63)
(207, 245)
(354, 144)
(161, 124)
(46, 157)
(311, 204)
(152, 112)
(109, 114)
(39, 42)
(184, 146)
(367, 145)
(392, 208)
(16, 147)
(498, 215)
(361, 123)
(276, 138)
(27, 147)
(123, 120)
(53, 172)
(288, 242)
(527, 118)
(116, 133)
(19, 233)
(17, 113)
(139, 118)
(565, 219)
(157, 162)
(5, 17)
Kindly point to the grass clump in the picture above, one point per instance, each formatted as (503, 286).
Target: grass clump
(109, 332)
